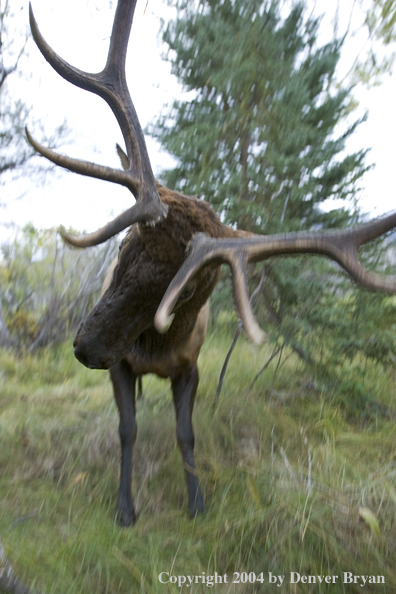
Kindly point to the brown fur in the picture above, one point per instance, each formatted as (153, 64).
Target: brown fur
(119, 335)
(149, 258)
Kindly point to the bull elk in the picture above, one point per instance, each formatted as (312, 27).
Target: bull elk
(153, 312)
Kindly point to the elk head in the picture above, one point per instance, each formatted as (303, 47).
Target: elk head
(151, 254)
(148, 260)
(167, 256)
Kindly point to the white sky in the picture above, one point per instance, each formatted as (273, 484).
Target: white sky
(80, 33)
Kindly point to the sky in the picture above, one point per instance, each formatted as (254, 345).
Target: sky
(80, 33)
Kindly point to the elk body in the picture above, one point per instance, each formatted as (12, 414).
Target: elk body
(119, 332)
(153, 313)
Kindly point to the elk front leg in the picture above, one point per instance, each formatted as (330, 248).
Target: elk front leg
(124, 381)
(184, 387)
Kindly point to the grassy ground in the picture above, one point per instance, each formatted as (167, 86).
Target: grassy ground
(292, 482)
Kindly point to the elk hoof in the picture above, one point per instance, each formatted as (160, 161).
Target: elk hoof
(197, 508)
(193, 513)
(125, 518)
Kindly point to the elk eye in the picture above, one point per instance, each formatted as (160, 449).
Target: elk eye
(186, 295)
(119, 248)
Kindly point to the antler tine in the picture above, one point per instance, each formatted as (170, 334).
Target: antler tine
(203, 250)
(83, 167)
(104, 233)
(110, 84)
(369, 231)
(341, 246)
(242, 298)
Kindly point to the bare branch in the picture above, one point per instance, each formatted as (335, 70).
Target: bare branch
(264, 367)
(236, 337)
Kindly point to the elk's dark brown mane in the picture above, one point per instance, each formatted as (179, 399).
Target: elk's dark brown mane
(157, 252)
(187, 216)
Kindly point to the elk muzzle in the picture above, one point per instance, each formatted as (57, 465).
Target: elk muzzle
(90, 355)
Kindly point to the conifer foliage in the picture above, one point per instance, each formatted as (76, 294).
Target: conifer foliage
(262, 136)
(260, 139)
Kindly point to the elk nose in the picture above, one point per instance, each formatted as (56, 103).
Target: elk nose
(91, 353)
(82, 355)
(85, 357)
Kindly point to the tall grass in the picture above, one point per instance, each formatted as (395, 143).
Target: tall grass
(292, 481)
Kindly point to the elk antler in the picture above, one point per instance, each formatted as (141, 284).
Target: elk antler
(111, 85)
(341, 246)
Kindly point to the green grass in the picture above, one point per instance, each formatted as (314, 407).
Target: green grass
(286, 471)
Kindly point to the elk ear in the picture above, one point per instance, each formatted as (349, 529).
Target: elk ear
(123, 157)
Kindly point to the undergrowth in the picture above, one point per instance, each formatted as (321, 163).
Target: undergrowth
(294, 480)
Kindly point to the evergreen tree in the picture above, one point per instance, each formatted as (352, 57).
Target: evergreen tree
(263, 140)
(258, 140)
(381, 24)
